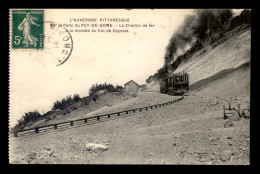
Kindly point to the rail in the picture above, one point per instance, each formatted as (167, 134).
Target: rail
(97, 118)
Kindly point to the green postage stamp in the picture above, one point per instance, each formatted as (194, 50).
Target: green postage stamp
(27, 29)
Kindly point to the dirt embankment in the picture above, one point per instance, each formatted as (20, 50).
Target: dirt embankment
(224, 67)
(105, 103)
(153, 86)
(82, 108)
(227, 58)
(188, 132)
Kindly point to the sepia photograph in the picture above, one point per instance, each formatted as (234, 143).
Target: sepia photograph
(129, 86)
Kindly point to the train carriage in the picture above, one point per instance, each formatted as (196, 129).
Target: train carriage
(175, 84)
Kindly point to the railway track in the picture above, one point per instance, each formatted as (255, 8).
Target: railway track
(26, 133)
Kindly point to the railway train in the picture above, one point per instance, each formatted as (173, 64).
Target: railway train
(175, 84)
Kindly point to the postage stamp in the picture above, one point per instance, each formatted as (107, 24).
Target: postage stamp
(27, 29)
(129, 86)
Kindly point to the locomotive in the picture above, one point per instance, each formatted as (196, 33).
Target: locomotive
(175, 84)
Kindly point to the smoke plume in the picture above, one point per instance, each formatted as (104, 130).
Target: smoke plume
(201, 26)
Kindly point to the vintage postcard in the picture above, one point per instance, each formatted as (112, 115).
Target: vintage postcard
(129, 86)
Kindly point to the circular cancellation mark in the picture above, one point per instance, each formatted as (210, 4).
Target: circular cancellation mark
(59, 42)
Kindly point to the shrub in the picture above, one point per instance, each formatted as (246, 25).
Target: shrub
(31, 116)
(150, 78)
(76, 97)
(119, 88)
(26, 118)
(86, 100)
(35, 115)
(63, 103)
(105, 86)
(19, 126)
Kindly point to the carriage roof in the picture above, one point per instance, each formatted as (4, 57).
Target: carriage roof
(178, 74)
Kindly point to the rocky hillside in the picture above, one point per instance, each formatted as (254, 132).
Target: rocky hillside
(105, 102)
(84, 107)
(221, 68)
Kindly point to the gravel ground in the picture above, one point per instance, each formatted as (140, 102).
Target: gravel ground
(188, 132)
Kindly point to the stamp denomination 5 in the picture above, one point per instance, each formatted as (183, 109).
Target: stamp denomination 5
(27, 29)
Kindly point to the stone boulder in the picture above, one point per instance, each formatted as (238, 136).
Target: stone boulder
(96, 147)
(246, 113)
(225, 155)
(228, 124)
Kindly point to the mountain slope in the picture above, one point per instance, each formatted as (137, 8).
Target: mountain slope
(225, 55)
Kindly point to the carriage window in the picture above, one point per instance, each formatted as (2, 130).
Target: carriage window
(177, 79)
(181, 78)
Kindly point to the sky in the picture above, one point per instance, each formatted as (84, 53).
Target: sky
(36, 83)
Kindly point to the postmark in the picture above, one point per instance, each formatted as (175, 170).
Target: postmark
(27, 29)
(59, 43)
